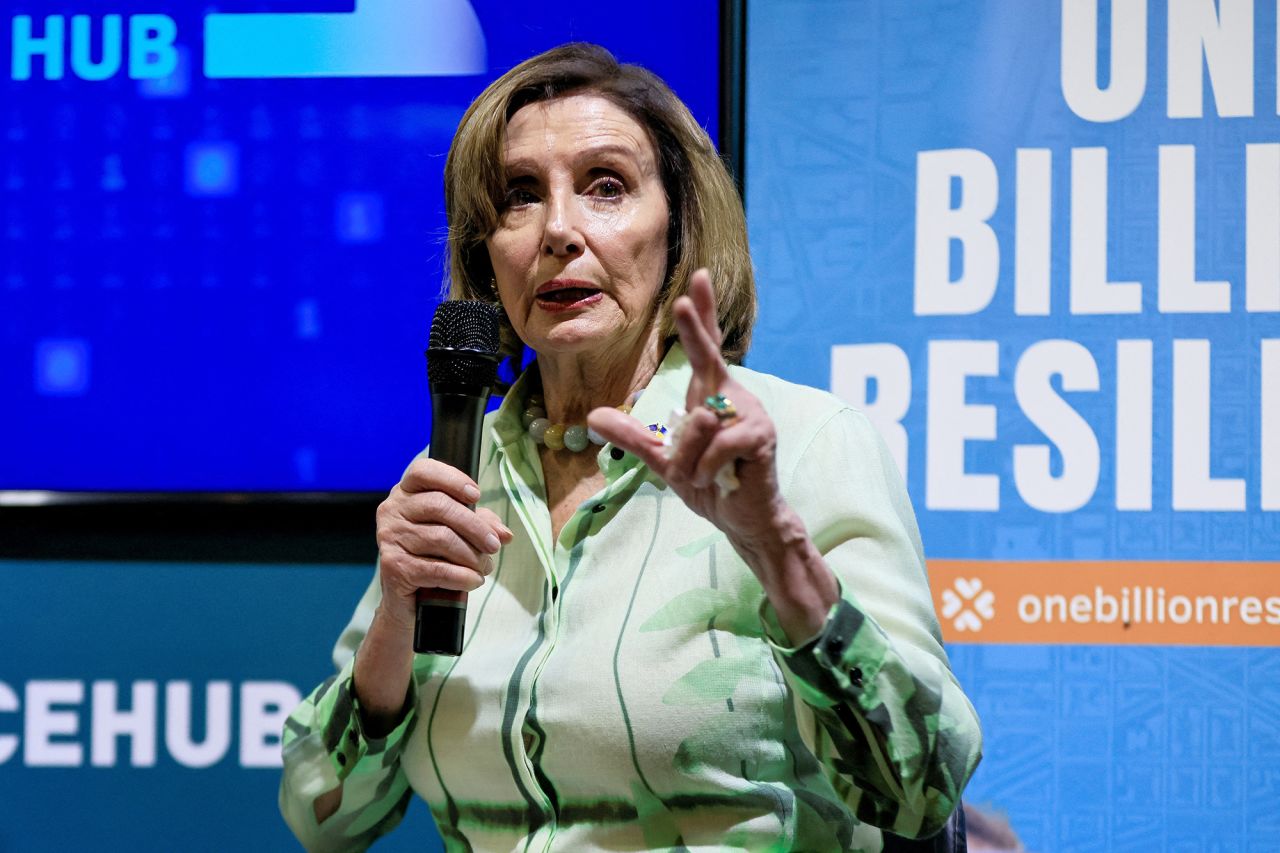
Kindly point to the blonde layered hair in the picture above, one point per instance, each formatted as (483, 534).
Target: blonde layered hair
(707, 225)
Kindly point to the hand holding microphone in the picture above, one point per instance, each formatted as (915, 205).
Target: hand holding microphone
(433, 548)
(430, 539)
(431, 544)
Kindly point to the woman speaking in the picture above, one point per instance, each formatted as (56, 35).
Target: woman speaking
(699, 614)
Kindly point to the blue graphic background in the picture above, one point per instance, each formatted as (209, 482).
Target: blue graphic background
(1092, 748)
(1087, 748)
(226, 285)
(163, 622)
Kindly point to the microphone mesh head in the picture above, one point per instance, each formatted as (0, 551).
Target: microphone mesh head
(463, 348)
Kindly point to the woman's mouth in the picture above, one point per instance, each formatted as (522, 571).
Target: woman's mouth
(566, 296)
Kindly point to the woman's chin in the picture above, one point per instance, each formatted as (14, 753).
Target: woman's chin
(581, 336)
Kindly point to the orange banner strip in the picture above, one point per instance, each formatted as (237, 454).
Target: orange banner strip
(1107, 602)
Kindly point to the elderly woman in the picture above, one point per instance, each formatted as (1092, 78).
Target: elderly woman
(726, 641)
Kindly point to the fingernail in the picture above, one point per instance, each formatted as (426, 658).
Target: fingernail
(471, 493)
(508, 531)
(491, 542)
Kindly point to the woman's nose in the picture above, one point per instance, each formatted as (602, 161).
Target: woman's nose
(561, 234)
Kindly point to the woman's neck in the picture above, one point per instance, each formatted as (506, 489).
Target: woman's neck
(573, 384)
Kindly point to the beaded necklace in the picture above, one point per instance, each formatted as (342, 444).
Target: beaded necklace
(574, 437)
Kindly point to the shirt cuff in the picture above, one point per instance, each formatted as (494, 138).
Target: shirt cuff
(347, 742)
(837, 665)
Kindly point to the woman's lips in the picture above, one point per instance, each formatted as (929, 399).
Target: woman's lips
(566, 295)
(567, 298)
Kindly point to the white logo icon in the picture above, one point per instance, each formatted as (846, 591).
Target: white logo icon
(970, 606)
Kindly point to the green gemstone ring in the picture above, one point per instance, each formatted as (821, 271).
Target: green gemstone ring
(722, 406)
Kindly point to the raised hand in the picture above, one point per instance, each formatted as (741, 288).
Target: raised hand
(762, 528)
(708, 442)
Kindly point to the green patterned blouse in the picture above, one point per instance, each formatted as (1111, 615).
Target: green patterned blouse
(627, 687)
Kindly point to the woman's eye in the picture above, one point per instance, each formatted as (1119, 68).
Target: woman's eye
(608, 188)
(518, 196)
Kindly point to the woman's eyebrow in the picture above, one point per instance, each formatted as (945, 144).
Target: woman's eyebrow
(613, 152)
(608, 150)
(519, 168)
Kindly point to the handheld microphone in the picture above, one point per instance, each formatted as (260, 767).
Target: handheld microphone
(462, 364)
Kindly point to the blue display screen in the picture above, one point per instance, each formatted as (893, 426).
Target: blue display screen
(222, 233)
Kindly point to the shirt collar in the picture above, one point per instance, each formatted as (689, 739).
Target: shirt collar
(508, 421)
(666, 390)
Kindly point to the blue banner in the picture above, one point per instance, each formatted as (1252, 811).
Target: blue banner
(141, 704)
(1039, 244)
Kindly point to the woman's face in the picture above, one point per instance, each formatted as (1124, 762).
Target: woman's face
(580, 251)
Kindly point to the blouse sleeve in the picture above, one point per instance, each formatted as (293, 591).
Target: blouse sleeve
(325, 747)
(897, 735)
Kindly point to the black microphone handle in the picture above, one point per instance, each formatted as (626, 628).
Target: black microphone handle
(456, 420)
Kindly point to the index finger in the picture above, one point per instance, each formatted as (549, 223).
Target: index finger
(432, 475)
(699, 332)
(703, 294)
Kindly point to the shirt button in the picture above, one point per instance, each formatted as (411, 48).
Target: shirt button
(617, 453)
(598, 508)
(855, 677)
